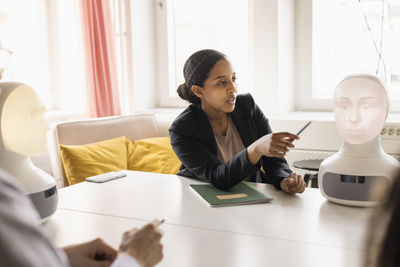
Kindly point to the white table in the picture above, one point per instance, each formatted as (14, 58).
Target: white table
(300, 230)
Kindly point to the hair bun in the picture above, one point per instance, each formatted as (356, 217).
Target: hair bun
(183, 91)
(196, 71)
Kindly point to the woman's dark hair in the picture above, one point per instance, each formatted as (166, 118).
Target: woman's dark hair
(195, 72)
(384, 241)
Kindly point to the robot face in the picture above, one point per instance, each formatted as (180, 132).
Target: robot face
(23, 125)
(360, 108)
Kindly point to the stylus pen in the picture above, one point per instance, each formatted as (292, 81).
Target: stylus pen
(162, 221)
(301, 130)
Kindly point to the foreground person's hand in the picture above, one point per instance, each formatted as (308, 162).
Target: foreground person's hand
(95, 253)
(144, 244)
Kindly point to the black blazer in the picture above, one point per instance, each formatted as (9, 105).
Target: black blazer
(193, 141)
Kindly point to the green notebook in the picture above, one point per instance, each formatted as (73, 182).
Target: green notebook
(240, 194)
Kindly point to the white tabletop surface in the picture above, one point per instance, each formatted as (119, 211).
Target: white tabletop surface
(300, 230)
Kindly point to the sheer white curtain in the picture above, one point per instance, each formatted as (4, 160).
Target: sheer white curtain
(22, 32)
(46, 43)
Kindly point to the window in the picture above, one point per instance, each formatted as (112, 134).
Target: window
(24, 36)
(44, 40)
(186, 26)
(120, 12)
(346, 37)
(68, 86)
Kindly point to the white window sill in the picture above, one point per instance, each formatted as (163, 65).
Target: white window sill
(393, 117)
(292, 116)
(167, 111)
(59, 116)
(304, 116)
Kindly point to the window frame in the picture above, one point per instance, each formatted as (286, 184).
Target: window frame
(165, 60)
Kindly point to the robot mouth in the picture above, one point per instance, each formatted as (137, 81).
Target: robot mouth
(355, 131)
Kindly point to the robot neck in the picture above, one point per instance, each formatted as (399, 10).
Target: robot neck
(372, 148)
(30, 178)
(15, 163)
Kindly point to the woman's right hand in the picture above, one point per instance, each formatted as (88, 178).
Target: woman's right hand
(271, 145)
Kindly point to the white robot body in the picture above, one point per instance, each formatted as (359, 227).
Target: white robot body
(41, 188)
(38, 185)
(352, 175)
(42, 191)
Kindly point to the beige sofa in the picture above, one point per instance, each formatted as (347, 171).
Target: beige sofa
(82, 132)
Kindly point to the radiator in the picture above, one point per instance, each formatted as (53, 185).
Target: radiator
(299, 154)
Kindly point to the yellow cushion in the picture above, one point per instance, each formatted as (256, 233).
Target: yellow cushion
(81, 161)
(153, 155)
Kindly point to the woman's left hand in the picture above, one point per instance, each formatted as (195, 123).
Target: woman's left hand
(293, 184)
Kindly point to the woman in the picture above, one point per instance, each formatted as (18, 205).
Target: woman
(224, 138)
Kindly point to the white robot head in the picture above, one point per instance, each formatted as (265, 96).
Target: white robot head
(23, 125)
(360, 108)
(23, 134)
(350, 176)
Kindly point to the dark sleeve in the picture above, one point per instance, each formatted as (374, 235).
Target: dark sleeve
(276, 169)
(204, 165)
(22, 242)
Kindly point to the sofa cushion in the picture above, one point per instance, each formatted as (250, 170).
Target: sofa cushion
(81, 161)
(153, 155)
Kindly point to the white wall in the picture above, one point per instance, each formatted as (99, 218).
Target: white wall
(272, 47)
(144, 74)
(303, 51)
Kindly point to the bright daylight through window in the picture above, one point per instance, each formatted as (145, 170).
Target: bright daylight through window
(40, 46)
(220, 25)
(348, 37)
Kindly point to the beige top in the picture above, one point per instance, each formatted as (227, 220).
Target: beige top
(230, 144)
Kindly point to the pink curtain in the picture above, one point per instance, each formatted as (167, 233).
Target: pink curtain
(99, 51)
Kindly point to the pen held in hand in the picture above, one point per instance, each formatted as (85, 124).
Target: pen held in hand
(305, 126)
(301, 130)
(162, 221)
